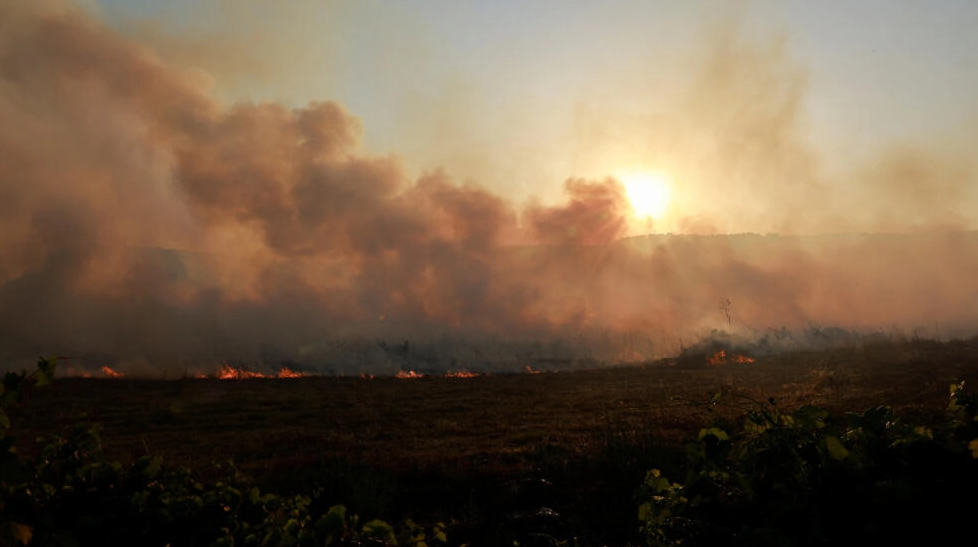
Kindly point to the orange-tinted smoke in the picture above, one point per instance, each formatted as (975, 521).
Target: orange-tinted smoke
(140, 219)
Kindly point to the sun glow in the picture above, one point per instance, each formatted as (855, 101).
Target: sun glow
(648, 193)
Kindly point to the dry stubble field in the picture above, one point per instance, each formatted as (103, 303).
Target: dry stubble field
(488, 423)
(498, 455)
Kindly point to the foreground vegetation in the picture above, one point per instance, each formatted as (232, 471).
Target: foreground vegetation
(72, 495)
(799, 478)
(743, 472)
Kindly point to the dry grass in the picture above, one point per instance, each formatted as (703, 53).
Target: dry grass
(484, 452)
(492, 422)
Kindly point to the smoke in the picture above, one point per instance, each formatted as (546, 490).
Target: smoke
(143, 221)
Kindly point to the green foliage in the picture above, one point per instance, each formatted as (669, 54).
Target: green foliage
(13, 471)
(16, 385)
(776, 477)
(963, 407)
(800, 478)
(72, 495)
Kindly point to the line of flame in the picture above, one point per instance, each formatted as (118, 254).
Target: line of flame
(461, 374)
(720, 358)
(108, 372)
(230, 373)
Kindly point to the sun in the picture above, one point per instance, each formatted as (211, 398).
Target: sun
(648, 193)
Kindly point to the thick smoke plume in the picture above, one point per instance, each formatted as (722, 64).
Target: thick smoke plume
(144, 223)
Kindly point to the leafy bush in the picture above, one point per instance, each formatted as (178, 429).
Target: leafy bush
(72, 495)
(800, 478)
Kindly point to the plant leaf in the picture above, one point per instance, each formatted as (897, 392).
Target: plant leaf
(836, 450)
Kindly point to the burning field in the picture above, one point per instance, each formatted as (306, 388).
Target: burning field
(443, 278)
(151, 227)
(481, 420)
(483, 447)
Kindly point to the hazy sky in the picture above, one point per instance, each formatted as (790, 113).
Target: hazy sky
(191, 180)
(519, 96)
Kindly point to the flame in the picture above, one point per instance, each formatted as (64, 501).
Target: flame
(529, 370)
(74, 373)
(366, 376)
(461, 374)
(720, 358)
(230, 373)
(227, 372)
(109, 373)
(404, 374)
(106, 372)
(286, 372)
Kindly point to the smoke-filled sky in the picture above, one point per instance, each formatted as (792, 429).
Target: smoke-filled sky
(765, 115)
(188, 182)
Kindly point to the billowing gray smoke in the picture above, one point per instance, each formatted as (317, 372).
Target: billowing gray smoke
(141, 221)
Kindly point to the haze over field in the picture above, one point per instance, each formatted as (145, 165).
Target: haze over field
(243, 181)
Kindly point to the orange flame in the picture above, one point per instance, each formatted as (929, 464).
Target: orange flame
(404, 374)
(720, 358)
(230, 373)
(108, 372)
(75, 373)
(366, 376)
(461, 374)
(529, 370)
(286, 372)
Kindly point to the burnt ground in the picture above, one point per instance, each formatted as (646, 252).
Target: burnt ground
(487, 449)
